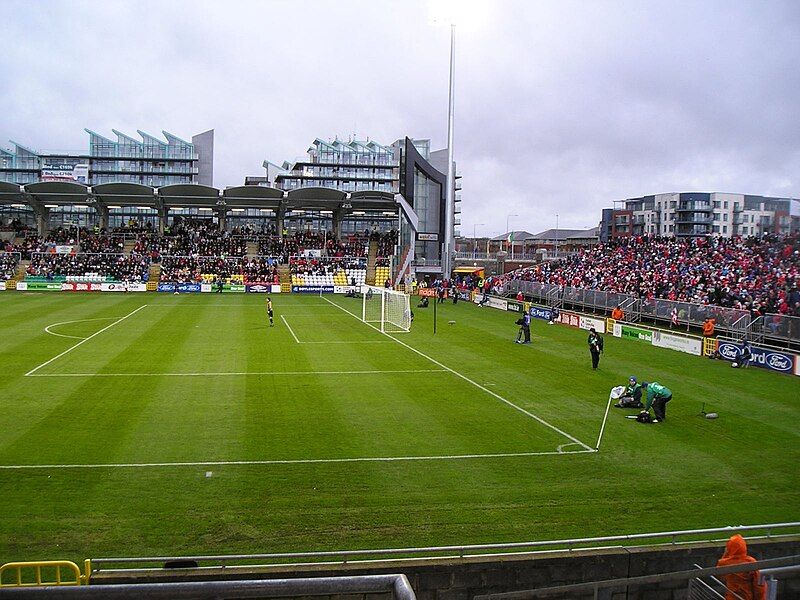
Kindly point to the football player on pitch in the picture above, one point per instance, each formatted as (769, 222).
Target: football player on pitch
(269, 311)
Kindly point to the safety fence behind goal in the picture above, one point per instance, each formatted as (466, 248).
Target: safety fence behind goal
(387, 309)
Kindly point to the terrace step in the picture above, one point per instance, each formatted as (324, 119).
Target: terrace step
(154, 275)
(128, 246)
(372, 255)
(22, 268)
(285, 276)
(252, 249)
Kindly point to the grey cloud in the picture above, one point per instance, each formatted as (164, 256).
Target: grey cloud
(561, 107)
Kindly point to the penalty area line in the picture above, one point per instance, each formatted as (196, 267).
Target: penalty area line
(290, 461)
(475, 383)
(240, 373)
(289, 327)
(71, 348)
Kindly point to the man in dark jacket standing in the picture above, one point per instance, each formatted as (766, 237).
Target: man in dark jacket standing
(595, 347)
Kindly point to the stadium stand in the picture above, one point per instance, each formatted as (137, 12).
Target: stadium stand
(8, 265)
(88, 267)
(756, 274)
(328, 271)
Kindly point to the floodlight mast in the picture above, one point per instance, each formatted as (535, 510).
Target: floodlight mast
(447, 259)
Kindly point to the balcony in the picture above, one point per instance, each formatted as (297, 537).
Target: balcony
(695, 206)
(680, 219)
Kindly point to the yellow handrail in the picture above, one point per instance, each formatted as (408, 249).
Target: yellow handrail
(37, 566)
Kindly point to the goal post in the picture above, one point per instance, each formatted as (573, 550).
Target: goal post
(387, 309)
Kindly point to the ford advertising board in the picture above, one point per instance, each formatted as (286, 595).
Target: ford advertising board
(764, 358)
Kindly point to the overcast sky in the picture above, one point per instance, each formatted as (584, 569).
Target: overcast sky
(562, 107)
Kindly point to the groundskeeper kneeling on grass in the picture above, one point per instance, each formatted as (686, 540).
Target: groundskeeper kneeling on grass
(657, 397)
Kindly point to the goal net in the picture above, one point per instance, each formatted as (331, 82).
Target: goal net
(387, 309)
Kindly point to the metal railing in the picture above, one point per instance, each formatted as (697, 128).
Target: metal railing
(341, 557)
(604, 589)
(397, 585)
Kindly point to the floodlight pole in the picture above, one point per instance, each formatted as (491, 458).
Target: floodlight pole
(449, 211)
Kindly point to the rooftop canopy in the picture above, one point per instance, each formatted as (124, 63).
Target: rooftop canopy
(124, 194)
(252, 196)
(57, 192)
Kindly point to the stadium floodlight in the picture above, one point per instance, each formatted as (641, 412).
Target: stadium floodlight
(386, 309)
(51, 205)
(17, 206)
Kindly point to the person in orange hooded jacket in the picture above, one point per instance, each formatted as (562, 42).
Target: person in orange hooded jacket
(743, 585)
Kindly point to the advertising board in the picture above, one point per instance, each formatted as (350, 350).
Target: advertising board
(537, 312)
(2, 286)
(257, 288)
(22, 286)
(589, 322)
(568, 318)
(764, 358)
(429, 292)
(166, 287)
(428, 237)
(634, 333)
(497, 303)
(49, 286)
(187, 287)
(205, 288)
(343, 289)
(690, 345)
(513, 306)
(81, 287)
(63, 249)
(312, 289)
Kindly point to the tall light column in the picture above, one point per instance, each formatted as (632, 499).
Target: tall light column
(449, 210)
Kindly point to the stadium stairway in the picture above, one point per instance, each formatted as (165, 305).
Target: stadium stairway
(154, 275)
(252, 249)
(285, 278)
(372, 255)
(127, 247)
(22, 267)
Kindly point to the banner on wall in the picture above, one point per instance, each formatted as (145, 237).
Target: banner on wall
(676, 342)
(429, 292)
(590, 322)
(257, 288)
(49, 286)
(632, 333)
(312, 289)
(537, 312)
(568, 318)
(2, 286)
(343, 289)
(81, 287)
(772, 360)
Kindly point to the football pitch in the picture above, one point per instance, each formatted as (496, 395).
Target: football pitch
(152, 424)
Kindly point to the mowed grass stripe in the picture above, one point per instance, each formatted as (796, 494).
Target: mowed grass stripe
(740, 468)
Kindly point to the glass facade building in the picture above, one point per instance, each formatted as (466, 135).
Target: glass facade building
(700, 214)
(148, 161)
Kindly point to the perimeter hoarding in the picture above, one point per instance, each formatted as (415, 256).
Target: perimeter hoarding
(764, 358)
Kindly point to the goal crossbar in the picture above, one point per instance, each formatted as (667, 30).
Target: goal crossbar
(386, 308)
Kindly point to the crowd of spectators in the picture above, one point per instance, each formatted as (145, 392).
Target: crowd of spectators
(761, 274)
(113, 266)
(8, 266)
(304, 267)
(292, 245)
(197, 269)
(386, 242)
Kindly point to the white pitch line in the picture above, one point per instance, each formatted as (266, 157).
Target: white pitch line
(75, 337)
(239, 374)
(296, 461)
(71, 348)
(350, 342)
(285, 322)
(475, 383)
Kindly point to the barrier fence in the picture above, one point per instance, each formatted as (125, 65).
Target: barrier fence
(737, 322)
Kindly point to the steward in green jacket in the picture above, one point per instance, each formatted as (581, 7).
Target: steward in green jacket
(657, 397)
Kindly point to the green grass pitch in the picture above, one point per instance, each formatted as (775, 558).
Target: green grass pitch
(321, 433)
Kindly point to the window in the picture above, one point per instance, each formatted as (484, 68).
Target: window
(716, 216)
(724, 229)
(716, 228)
(725, 217)
(716, 204)
(736, 206)
(725, 204)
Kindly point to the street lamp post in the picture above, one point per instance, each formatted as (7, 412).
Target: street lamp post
(508, 233)
(556, 235)
(450, 197)
(475, 239)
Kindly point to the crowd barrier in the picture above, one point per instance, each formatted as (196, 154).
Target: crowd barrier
(763, 356)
